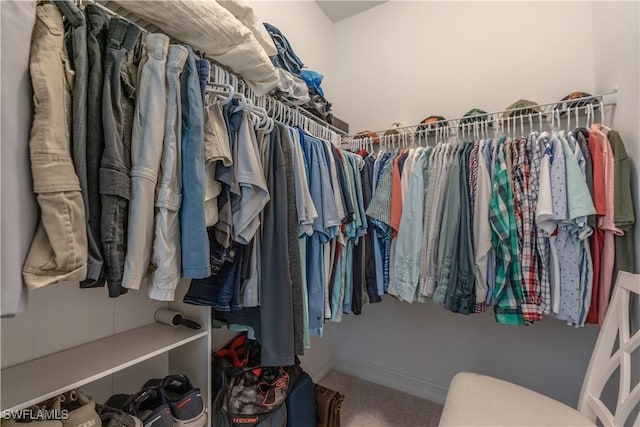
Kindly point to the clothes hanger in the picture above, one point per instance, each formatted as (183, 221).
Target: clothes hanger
(226, 100)
(608, 129)
(540, 121)
(508, 131)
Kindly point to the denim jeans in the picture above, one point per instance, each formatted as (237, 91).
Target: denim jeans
(77, 30)
(59, 247)
(286, 57)
(204, 69)
(97, 31)
(147, 138)
(165, 258)
(221, 290)
(195, 245)
(118, 104)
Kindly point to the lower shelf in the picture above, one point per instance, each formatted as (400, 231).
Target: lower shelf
(32, 382)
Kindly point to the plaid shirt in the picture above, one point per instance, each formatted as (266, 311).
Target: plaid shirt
(527, 234)
(542, 242)
(508, 289)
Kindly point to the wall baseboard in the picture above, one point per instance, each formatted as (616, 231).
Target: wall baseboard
(391, 378)
(317, 371)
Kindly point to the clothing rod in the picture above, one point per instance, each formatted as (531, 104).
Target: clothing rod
(241, 86)
(101, 6)
(609, 98)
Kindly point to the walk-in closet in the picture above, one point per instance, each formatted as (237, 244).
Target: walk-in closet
(319, 213)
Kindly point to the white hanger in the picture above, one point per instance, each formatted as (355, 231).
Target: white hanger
(229, 88)
(540, 121)
(602, 117)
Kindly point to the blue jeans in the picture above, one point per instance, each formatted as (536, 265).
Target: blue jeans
(221, 290)
(286, 57)
(203, 72)
(195, 245)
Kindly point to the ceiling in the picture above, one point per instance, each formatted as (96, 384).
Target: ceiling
(339, 10)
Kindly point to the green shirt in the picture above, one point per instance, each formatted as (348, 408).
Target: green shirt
(624, 215)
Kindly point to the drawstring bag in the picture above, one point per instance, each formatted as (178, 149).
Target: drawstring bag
(245, 393)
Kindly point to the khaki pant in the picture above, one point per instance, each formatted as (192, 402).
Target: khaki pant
(59, 248)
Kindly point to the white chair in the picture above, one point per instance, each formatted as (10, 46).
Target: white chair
(479, 400)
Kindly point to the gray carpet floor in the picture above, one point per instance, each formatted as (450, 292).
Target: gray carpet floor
(371, 405)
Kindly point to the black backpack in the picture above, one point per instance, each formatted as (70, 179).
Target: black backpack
(245, 393)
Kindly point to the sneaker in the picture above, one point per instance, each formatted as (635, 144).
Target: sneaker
(151, 407)
(10, 422)
(34, 416)
(185, 400)
(81, 409)
(113, 417)
(117, 401)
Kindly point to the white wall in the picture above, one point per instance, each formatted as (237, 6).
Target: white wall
(308, 30)
(404, 61)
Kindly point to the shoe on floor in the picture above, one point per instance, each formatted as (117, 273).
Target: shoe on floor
(185, 400)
